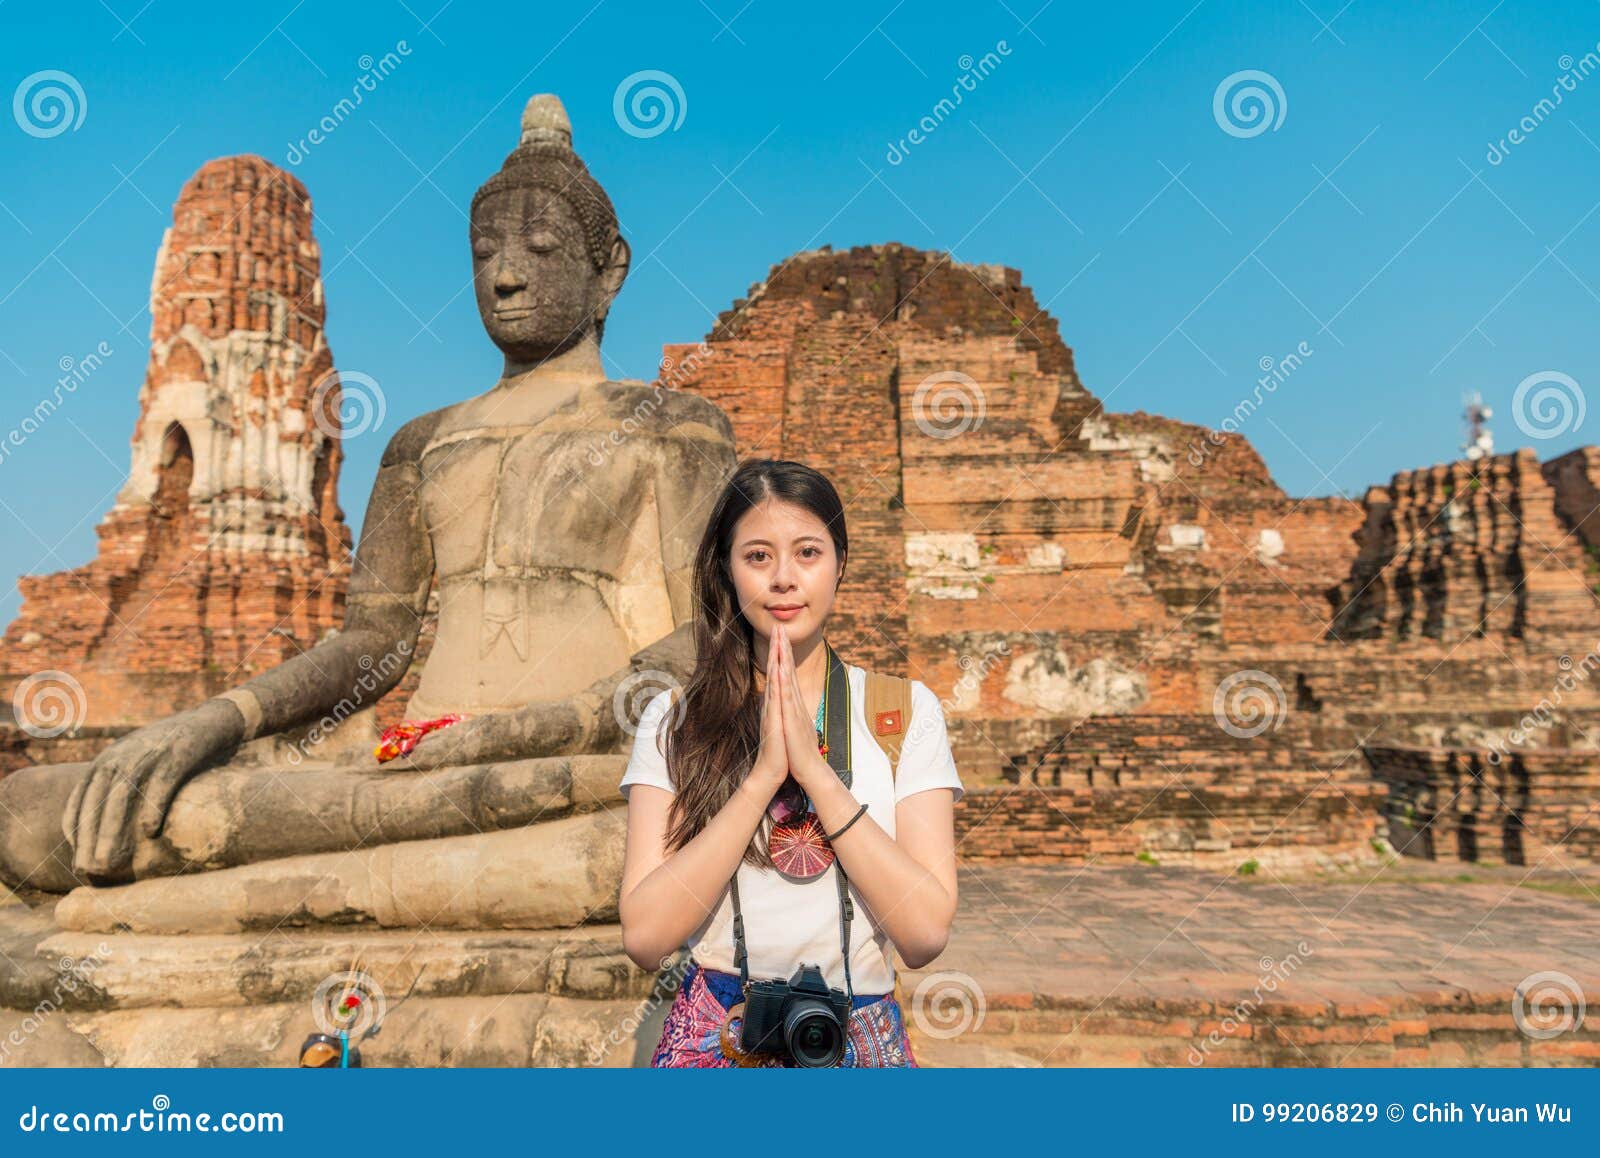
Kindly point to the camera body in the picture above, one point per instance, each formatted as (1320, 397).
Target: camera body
(801, 1018)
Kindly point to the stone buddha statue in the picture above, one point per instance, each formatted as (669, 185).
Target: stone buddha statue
(563, 575)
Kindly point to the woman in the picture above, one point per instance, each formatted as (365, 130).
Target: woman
(760, 785)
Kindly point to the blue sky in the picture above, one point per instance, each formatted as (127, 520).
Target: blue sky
(1177, 246)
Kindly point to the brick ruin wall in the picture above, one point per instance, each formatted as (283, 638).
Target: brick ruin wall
(1069, 578)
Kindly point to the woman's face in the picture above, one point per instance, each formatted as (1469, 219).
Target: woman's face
(783, 557)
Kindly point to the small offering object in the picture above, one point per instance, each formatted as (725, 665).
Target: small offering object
(403, 737)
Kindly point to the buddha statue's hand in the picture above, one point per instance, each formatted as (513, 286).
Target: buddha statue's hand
(131, 784)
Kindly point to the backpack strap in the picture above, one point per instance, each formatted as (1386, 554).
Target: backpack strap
(888, 712)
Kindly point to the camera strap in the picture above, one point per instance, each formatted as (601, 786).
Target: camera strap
(837, 715)
(846, 911)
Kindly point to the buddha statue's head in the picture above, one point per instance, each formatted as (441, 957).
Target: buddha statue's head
(547, 257)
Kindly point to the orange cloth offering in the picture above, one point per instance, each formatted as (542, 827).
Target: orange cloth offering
(403, 737)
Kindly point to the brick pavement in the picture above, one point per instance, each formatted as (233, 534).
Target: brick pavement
(1139, 965)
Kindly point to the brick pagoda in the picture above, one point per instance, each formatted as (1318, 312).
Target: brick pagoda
(226, 551)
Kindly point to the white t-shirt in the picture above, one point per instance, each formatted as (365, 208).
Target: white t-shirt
(787, 922)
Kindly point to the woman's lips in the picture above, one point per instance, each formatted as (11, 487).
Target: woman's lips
(783, 613)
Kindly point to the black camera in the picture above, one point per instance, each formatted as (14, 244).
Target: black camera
(801, 1018)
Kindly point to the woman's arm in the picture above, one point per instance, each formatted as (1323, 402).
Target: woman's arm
(909, 879)
(664, 899)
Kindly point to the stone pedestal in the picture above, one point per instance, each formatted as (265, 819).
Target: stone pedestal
(509, 998)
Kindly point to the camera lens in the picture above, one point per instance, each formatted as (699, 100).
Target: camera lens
(813, 1034)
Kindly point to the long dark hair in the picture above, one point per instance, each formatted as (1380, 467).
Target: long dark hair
(714, 728)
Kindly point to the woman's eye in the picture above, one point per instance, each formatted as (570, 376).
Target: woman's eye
(752, 557)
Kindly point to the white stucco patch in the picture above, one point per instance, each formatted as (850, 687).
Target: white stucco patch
(1269, 544)
(1044, 681)
(1047, 556)
(942, 552)
(1184, 537)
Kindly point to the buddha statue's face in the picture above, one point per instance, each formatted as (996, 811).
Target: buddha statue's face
(538, 291)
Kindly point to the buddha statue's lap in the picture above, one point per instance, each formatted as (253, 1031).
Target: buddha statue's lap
(559, 579)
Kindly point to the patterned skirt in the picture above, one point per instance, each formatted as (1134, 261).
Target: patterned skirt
(692, 1036)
